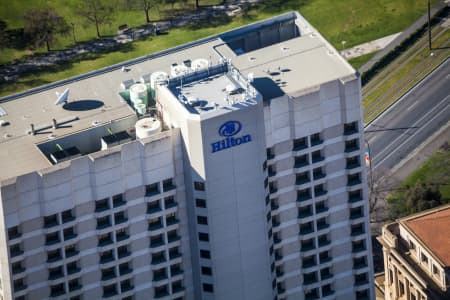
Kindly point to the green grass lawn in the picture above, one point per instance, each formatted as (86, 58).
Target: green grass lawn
(359, 61)
(354, 21)
(434, 172)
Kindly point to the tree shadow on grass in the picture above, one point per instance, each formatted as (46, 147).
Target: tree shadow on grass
(211, 22)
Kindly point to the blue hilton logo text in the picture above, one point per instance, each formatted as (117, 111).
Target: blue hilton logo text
(229, 130)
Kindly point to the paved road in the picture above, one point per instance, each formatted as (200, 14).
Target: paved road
(418, 114)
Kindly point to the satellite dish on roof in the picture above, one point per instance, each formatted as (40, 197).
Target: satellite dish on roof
(63, 97)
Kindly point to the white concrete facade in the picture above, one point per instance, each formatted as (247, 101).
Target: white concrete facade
(259, 193)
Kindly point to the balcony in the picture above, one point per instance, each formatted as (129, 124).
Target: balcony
(355, 198)
(311, 297)
(302, 180)
(177, 289)
(104, 259)
(350, 129)
(168, 185)
(274, 206)
(75, 287)
(54, 275)
(322, 226)
(278, 257)
(17, 269)
(68, 218)
(171, 221)
(54, 258)
(126, 287)
(303, 197)
(100, 207)
(306, 230)
(155, 226)
(273, 189)
(275, 223)
(173, 238)
(310, 280)
(122, 254)
(122, 236)
(69, 235)
(151, 209)
(301, 162)
(72, 270)
(351, 146)
(353, 165)
(125, 270)
(103, 224)
(318, 192)
(71, 253)
(359, 265)
(159, 277)
(161, 294)
(309, 264)
(276, 240)
(120, 219)
(356, 214)
(108, 275)
(156, 260)
(305, 213)
(170, 203)
(109, 294)
(317, 158)
(308, 247)
(324, 242)
(279, 273)
(52, 241)
(300, 144)
(358, 231)
(105, 242)
(174, 255)
(118, 202)
(353, 181)
(316, 141)
(362, 281)
(152, 190)
(57, 292)
(48, 223)
(358, 248)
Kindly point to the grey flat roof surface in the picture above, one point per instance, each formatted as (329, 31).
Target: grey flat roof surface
(286, 67)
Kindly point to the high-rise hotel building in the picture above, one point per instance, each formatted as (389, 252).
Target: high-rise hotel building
(228, 168)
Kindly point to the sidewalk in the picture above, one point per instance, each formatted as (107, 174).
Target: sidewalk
(369, 47)
(404, 35)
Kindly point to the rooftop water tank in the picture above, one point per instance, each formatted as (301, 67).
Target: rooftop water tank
(157, 77)
(147, 126)
(138, 91)
(199, 63)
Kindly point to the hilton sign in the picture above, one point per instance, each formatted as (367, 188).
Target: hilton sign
(228, 130)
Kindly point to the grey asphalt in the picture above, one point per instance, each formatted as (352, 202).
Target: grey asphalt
(409, 122)
(404, 35)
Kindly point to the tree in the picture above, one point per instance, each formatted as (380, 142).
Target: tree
(2, 34)
(43, 25)
(97, 12)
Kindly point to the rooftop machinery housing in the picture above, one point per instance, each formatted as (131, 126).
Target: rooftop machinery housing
(227, 168)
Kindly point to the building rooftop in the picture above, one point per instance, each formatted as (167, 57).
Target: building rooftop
(284, 55)
(432, 229)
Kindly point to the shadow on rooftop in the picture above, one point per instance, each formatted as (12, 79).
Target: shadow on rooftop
(83, 105)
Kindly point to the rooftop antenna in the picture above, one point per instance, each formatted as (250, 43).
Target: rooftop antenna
(63, 97)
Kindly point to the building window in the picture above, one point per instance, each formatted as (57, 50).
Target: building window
(200, 203)
(168, 185)
(208, 288)
(199, 186)
(161, 291)
(101, 205)
(202, 220)
(153, 207)
(67, 216)
(172, 236)
(123, 252)
(355, 196)
(356, 212)
(318, 173)
(70, 250)
(177, 286)
(205, 254)
(324, 257)
(55, 273)
(17, 267)
(69, 233)
(270, 153)
(54, 255)
(57, 290)
(350, 128)
(124, 269)
(108, 273)
(424, 258)
(300, 143)
(155, 223)
(264, 166)
(310, 278)
(152, 189)
(157, 240)
(159, 274)
(13, 232)
(204, 237)
(359, 262)
(351, 145)
(120, 217)
(109, 290)
(106, 257)
(52, 238)
(315, 139)
(126, 285)
(319, 190)
(175, 270)
(207, 271)
(352, 162)
(301, 161)
(357, 229)
(50, 221)
(174, 253)
(74, 285)
(317, 156)
(72, 268)
(104, 239)
(103, 222)
(302, 178)
(118, 200)
(169, 202)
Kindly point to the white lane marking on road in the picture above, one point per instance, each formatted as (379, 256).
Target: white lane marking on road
(422, 82)
(412, 135)
(412, 106)
(413, 125)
